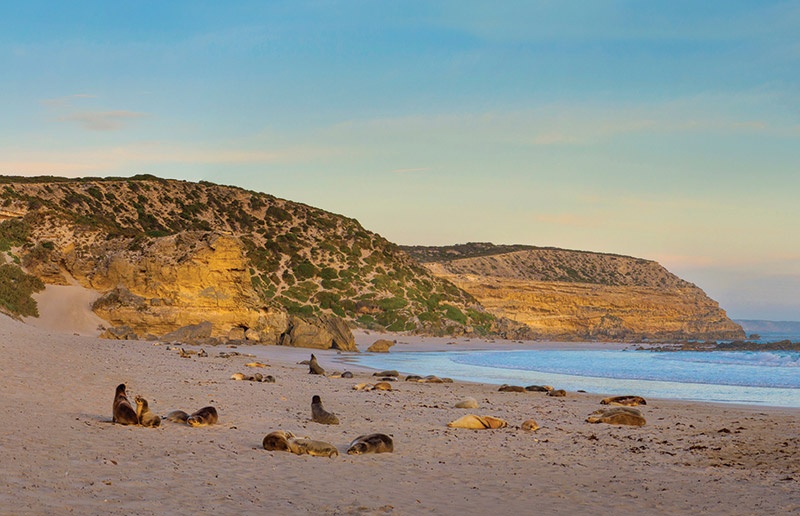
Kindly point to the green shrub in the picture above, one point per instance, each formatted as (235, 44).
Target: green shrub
(16, 288)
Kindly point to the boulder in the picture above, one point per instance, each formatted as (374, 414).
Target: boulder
(193, 333)
(236, 333)
(324, 332)
(380, 346)
(119, 333)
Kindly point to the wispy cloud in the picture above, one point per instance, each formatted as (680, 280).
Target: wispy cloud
(65, 101)
(102, 120)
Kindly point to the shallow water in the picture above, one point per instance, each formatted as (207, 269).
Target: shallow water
(759, 378)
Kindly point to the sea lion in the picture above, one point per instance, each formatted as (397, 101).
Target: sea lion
(269, 379)
(177, 416)
(478, 422)
(314, 367)
(539, 388)
(387, 373)
(277, 441)
(363, 387)
(382, 386)
(146, 418)
(347, 374)
(558, 393)
(303, 446)
(467, 403)
(238, 376)
(256, 364)
(511, 388)
(432, 379)
(372, 443)
(320, 415)
(413, 378)
(626, 401)
(203, 417)
(617, 416)
(530, 425)
(122, 411)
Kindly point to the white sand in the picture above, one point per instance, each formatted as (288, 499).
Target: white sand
(60, 454)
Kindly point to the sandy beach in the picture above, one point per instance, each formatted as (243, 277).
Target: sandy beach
(61, 454)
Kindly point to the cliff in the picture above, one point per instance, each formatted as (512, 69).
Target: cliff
(166, 254)
(575, 295)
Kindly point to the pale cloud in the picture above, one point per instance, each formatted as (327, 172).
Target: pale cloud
(102, 120)
(65, 101)
(129, 158)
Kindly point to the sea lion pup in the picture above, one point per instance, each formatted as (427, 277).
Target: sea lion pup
(478, 422)
(617, 416)
(627, 401)
(372, 443)
(177, 416)
(467, 403)
(530, 425)
(511, 388)
(203, 417)
(320, 415)
(314, 367)
(146, 418)
(122, 411)
(539, 388)
(558, 393)
(382, 386)
(303, 446)
(277, 441)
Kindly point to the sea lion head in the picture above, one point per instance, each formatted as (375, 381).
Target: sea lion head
(357, 449)
(316, 399)
(121, 389)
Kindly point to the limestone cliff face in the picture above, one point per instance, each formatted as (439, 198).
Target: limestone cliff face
(181, 280)
(574, 295)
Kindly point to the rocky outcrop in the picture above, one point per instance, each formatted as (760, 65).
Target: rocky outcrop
(576, 295)
(380, 346)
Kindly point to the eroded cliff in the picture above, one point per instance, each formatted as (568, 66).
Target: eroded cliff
(576, 295)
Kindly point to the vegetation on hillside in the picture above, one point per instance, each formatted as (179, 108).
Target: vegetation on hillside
(302, 258)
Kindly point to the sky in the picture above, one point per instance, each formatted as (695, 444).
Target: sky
(666, 130)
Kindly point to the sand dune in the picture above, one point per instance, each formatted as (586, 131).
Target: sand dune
(60, 454)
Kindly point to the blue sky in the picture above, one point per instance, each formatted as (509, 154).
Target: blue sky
(667, 130)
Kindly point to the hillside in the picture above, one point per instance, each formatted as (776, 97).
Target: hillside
(166, 254)
(576, 295)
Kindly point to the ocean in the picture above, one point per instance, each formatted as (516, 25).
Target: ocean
(746, 377)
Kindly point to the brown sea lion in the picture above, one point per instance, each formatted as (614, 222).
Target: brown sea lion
(511, 388)
(238, 376)
(382, 386)
(146, 418)
(347, 374)
(177, 416)
(314, 367)
(626, 401)
(530, 425)
(363, 387)
(203, 417)
(558, 393)
(432, 379)
(320, 415)
(413, 378)
(122, 411)
(277, 440)
(618, 416)
(478, 422)
(391, 372)
(303, 446)
(372, 443)
(467, 403)
(539, 388)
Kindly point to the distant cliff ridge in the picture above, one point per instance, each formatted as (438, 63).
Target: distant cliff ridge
(575, 295)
